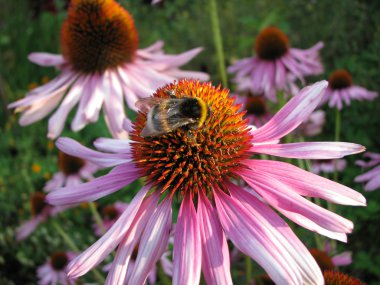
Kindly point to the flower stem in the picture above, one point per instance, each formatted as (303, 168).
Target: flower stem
(218, 41)
(97, 217)
(248, 270)
(73, 247)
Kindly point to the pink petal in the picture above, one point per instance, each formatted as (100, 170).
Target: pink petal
(107, 243)
(153, 242)
(46, 59)
(74, 148)
(123, 264)
(58, 119)
(342, 259)
(113, 145)
(292, 114)
(368, 175)
(119, 177)
(96, 94)
(28, 227)
(283, 235)
(373, 184)
(309, 150)
(250, 237)
(283, 198)
(215, 254)
(306, 183)
(187, 250)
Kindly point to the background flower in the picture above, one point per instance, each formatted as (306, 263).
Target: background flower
(372, 177)
(53, 272)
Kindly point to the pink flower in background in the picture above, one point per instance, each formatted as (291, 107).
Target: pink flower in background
(256, 108)
(73, 171)
(199, 169)
(53, 272)
(341, 90)
(101, 66)
(110, 214)
(328, 165)
(372, 177)
(312, 126)
(276, 65)
(340, 259)
(41, 211)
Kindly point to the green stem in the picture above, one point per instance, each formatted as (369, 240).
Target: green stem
(97, 217)
(248, 270)
(218, 41)
(73, 247)
(337, 137)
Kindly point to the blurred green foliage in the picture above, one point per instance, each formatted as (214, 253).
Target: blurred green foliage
(350, 30)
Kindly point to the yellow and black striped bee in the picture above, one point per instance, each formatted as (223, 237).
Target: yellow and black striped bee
(168, 114)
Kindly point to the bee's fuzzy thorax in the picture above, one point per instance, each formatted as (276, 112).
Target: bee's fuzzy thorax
(184, 160)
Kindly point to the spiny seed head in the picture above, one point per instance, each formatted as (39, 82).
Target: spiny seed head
(37, 203)
(98, 35)
(333, 277)
(69, 165)
(190, 160)
(340, 79)
(59, 260)
(324, 261)
(109, 212)
(255, 105)
(271, 44)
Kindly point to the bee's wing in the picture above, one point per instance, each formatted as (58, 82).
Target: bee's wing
(173, 123)
(145, 104)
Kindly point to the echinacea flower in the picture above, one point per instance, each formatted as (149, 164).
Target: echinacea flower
(100, 66)
(341, 90)
(73, 171)
(276, 65)
(327, 262)
(196, 167)
(109, 215)
(53, 272)
(372, 177)
(40, 211)
(312, 126)
(328, 165)
(333, 277)
(256, 108)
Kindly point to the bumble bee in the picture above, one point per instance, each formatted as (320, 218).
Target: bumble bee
(168, 114)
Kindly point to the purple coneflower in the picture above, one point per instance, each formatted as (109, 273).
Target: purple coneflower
(73, 171)
(196, 168)
(53, 272)
(328, 165)
(312, 126)
(256, 108)
(40, 211)
(342, 91)
(276, 65)
(100, 66)
(372, 177)
(333, 277)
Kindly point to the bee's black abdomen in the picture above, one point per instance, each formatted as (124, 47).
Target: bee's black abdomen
(190, 108)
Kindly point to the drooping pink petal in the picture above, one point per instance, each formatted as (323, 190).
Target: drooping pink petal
(28, 227)
(74, 148)
(282, 233)
(92, 106)
(292, 114)
(119, 177)
(123, 264)
(309, 150)
(46, 59)
(108, 242)
(306, 183)
(58, 119)
(187, 252)
(215, 254)
(154, 242)
(285, 200)
(368, 175)
(373, 184)
(342, 259)
(251, 238)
